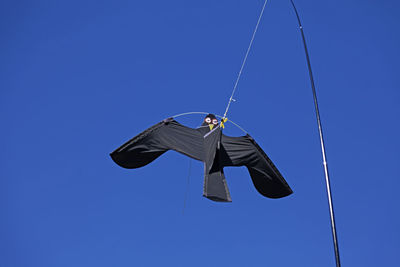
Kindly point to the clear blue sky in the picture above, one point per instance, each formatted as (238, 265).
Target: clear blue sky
(79, 78)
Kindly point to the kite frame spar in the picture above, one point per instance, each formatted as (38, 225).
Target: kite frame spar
(206, 113)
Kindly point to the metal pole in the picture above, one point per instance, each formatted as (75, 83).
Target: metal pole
(321, 138)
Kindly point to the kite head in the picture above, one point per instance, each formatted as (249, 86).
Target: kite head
(211, 121)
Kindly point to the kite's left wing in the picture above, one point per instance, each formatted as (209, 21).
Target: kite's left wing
(244, 151)
(158, 139)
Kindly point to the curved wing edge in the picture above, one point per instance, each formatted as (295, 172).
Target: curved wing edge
(272, 186)
(134, 153)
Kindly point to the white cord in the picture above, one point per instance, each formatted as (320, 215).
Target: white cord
(245, 59)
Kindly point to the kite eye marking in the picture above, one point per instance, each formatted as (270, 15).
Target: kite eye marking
(208, 120)
(215, 121)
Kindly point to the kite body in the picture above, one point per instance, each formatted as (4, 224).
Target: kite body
(209, 145)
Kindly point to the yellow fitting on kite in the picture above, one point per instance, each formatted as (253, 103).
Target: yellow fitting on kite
(223, 120)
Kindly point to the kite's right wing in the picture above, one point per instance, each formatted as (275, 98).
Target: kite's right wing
(244, 151)
(158, 139)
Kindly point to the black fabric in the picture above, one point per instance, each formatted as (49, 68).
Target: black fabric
(244, 151)
(215, 186)
(215, 149)
(155, 141)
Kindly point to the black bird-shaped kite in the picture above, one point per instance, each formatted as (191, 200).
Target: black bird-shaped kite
(209, 145)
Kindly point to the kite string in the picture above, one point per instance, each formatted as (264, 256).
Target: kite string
(187, 186)
(245, 59)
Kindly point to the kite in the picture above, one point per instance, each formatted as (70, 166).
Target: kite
(209, 145)
(217, 150)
